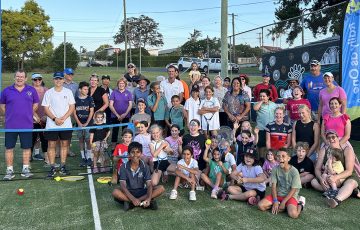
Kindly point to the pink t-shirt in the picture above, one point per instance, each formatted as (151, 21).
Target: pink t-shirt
(325, 96)
(268, 166)
(336, 123)
(293, 107)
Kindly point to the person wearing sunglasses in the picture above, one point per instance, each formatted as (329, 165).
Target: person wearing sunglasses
(293, 82)
(132, 77)
(245, 84)
(352, 181)
(39, 121)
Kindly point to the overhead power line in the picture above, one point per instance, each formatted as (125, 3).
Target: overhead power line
(199, 9)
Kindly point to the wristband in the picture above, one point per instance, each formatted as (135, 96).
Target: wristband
(54, 118)
(275, 200)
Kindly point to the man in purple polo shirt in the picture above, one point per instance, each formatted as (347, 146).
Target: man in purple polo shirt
(18, 102)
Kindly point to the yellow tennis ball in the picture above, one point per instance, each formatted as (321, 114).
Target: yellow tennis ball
(208, 142)
(138, 125)
(21, 190)
(57, 178)
(93, 145)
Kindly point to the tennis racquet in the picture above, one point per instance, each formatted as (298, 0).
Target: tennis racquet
(69, 178)
(208, 116)
(104, 179)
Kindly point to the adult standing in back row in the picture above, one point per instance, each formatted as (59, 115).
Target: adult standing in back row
(265, 85)
(15, 98)
(312, 84)
(172, 86)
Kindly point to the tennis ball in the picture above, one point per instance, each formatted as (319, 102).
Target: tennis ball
(208, 142)
(20, 191)
(93, 145)
(138, 125)
(57, 178)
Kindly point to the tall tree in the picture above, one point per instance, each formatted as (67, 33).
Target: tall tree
(101, 53)
(196, 35)
(140, 31)
(199, 48)
(25, 33)
(322, 22)
(72, 57)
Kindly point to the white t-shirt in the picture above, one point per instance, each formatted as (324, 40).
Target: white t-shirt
(251, 172)
(145, 140)
(192, 165)
(58, 103)
(171, 89)
(229, 157)
(247, 89)
(162, 155)
(287, 93)
(214, 122)
(192, 107)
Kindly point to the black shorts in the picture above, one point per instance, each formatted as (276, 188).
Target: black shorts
(164, 164)
(137, 193)
(25, 140)
(55, 135)
(262, 139)
(261, 194)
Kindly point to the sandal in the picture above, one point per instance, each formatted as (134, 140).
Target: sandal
(333, 202)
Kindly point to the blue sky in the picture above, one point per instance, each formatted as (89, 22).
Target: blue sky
(90, 23)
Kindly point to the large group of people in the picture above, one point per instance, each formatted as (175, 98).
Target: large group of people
(301, 142)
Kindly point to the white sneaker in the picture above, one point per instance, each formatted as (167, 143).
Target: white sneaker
(214, 193)
(192, 195)
(302, 201)
(173, 194)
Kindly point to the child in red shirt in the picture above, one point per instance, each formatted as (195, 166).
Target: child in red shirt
(121, 150)
(293, 105)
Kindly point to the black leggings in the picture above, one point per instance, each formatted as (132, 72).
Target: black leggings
(35, 135)
(115, 131)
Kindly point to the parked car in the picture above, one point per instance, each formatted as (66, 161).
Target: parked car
(214, 64)
(184, 63)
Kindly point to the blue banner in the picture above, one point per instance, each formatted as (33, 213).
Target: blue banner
(351, 58)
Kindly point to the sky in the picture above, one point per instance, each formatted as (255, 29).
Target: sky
(91, 23)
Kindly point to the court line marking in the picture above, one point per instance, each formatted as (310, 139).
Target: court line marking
(94, 205)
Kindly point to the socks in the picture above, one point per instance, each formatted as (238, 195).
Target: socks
(82, 154)
(10, 168)
(88, 154)
(25, 166)
(36, 151)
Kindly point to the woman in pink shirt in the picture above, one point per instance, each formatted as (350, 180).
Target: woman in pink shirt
(329, 92)
(336, 121)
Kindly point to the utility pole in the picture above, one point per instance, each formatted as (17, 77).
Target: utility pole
(125, 32)
(259, 38)
(224, 44)
(233, 36)
(140, 52)
(64, 50)
(208, 53)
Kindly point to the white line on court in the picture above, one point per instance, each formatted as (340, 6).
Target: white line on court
(94, 205)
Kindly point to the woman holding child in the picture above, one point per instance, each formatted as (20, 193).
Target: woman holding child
(350, 185)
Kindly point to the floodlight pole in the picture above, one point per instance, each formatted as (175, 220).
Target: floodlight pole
(64, 50)
(224, 43)
(125, 32)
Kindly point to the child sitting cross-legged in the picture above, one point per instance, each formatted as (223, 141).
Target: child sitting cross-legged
(218, 171)
(285, 187)
(186, 173)
(250, 180)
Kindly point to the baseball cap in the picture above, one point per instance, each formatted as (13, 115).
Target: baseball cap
(94, 75)
(173, 66)
(141, 100)
(36, 75)
(131, 65)
(195, 88)
(160, 78)
(328, 74)
(265, 75)
(58, 75)
(331, 131)
(314, 62)
(227, 79)
(142, 77)
(68, 71)
(105, 77)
